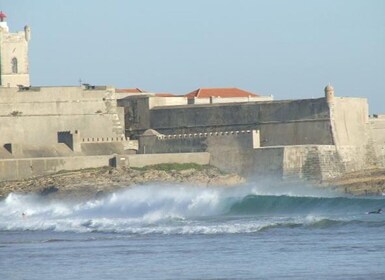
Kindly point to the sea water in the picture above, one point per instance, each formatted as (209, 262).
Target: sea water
(188, 232)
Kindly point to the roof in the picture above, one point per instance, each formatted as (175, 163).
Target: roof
(219, 92)
(129, 90)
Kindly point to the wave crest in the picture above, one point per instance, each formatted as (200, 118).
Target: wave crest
(162, 209)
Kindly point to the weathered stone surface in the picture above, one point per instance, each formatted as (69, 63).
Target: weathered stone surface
(366, 182)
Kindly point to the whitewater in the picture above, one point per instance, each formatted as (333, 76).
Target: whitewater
(188, 232)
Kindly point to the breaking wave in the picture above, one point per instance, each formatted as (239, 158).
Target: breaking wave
(162, 209)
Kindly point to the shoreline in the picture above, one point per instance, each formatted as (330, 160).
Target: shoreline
(92, 183)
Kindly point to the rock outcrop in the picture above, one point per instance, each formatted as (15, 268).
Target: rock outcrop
(91, 183)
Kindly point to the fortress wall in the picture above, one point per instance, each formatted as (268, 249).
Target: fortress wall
(377, 125)
(152, 145)
(353, 134)
(55, 101)
(198, 142)
(311, 162)
(356, 158)
(232, 152)
(36, 115)
(350, 119)
(156, 101)
(15, 169)
(296, 133)
(42, 130)
(136, 114)
(145, 160)
(267, 162)
(280, 122)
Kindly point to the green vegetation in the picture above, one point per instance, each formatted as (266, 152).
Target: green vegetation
(174, 166)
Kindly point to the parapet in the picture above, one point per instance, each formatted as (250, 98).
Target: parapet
(93, 87)
(105, 139)
(204, 134)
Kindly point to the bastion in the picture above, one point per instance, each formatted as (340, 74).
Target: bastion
(48, 129)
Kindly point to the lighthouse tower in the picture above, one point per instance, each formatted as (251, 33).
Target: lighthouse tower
(13, 55)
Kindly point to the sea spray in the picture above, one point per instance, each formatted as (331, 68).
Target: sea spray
(183, 209)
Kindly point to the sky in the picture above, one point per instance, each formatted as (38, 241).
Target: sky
(290, 49)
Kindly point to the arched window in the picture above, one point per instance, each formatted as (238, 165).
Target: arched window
(14, 65)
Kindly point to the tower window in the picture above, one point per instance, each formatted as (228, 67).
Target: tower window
(14, 65)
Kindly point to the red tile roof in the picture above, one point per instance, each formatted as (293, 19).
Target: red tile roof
(219, 92)
(129, 90)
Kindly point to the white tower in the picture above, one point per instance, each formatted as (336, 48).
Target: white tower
(14, 69)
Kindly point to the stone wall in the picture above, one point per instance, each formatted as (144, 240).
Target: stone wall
(353, 131)
(153, 159)
(294, 122)
(230, 150)
(198, 142)
(36, 115)
(311, 162)
(350, 119)
(16, 169)
(136, 114)
(377, 125)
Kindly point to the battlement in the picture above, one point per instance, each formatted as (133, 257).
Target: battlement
(104, 139)
(203, 135)
(153, 142)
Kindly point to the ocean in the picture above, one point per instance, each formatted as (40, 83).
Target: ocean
(187, 232)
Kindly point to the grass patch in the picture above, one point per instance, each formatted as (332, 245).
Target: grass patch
(173, 167)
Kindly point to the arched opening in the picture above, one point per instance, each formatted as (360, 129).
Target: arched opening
(14, 65)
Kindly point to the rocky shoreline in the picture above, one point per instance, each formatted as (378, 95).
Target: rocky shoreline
(369, 182)
(91, 183)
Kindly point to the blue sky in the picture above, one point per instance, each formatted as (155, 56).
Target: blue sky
(290, 49)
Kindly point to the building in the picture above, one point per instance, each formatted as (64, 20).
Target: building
(48, 129)
(14, 65)
(318, 138)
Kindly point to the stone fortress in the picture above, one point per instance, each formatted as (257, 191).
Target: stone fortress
(48, 129)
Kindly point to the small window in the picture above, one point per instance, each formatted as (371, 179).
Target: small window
(14, 65)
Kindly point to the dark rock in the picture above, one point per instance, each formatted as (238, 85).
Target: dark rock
(48, 190)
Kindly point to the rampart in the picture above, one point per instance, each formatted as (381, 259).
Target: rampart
(377, 129)
(197, 142)
(294, 122)
(34, 115)
(16, 169)
(229, 150)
